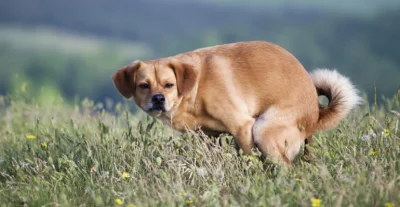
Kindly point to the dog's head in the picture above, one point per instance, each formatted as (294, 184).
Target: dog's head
(157, 86)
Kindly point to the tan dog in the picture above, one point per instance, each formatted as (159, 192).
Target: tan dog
(256, 91)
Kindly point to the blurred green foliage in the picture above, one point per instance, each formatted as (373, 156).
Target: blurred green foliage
(51, 73)
(49, 62)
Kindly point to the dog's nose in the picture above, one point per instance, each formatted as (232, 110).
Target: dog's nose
(158, 98)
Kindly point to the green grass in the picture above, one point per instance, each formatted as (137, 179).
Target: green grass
(80, 152)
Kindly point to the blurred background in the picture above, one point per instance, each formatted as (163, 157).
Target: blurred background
(58, 49)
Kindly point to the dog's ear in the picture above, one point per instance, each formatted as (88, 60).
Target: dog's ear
(186, 76)
(124, 79)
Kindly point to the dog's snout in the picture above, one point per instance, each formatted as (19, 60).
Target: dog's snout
(158, 98)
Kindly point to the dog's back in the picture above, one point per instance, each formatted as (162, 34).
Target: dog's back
(256, 75)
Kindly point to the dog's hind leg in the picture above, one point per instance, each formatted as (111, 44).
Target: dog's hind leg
(277, 136)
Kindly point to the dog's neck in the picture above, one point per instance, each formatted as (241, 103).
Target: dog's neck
(183, 114)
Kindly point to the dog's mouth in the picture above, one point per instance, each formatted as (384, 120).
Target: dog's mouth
(157, 109)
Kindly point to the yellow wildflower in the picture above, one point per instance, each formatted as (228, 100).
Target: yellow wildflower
(250, 158)
(31, 137)
(118, 201)
(315, 202)
(44, 145)
(189, 201)
(298, 179)
(389, 204)
(386, 132)
(178, 145)
(131, 205)
(126, 175)
(372, 152)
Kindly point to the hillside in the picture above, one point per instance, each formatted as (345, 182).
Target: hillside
(54, 64)
(322, 35)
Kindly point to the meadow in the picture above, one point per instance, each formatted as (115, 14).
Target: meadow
(68, 138)
(90, 154)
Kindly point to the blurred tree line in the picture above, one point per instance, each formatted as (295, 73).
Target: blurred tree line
(363, 47)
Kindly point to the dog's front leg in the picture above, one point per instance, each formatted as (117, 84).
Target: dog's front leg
(242, 131)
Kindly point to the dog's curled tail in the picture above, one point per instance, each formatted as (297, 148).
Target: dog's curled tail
(341, 93)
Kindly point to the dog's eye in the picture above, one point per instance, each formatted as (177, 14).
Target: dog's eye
(144, 85)
(169, 85)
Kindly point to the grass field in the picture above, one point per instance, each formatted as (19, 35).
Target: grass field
(81, 155)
